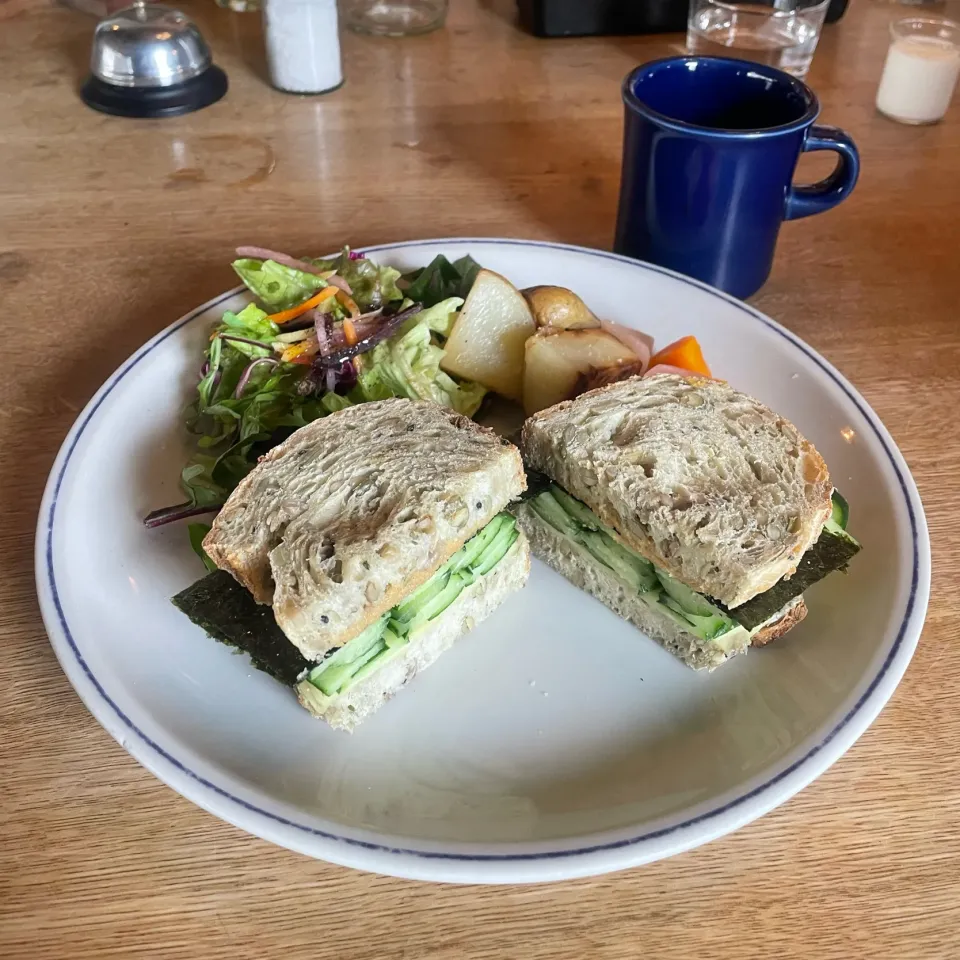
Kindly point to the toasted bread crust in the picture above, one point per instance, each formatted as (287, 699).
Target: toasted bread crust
(786, 623)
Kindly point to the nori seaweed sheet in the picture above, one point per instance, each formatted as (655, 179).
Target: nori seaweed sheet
(832, 551)
(228, 613)
(536, 484)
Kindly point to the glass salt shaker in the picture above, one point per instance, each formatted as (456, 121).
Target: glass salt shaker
(303, 45)
(394, 18)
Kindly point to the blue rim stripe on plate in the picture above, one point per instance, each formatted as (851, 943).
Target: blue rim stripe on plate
(493, 857)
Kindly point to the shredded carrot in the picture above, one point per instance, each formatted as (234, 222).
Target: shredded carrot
(348, 302)
(350, 333)
(284, 316)
(684, 353)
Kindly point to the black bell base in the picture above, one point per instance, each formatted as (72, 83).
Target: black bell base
(152, 102)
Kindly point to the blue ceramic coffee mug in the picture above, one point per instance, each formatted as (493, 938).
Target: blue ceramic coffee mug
(709, 151)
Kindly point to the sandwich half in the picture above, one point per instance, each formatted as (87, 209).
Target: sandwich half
(371, 540)
(688, 508)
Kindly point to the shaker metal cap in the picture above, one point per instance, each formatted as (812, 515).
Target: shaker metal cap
(148, 45)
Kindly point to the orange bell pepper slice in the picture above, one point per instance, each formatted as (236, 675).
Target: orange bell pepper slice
(285, 316)
(684, 353)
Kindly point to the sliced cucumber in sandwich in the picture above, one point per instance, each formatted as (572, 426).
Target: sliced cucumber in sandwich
(548, 509)
(496, 551)
(439, 602)
(579, 523)
(576, 521)
(708, 621)
(699, 615)
(380, 643)
(630, 567)
(470, 552)
(577, 511)
(840, 514)
(335, 673)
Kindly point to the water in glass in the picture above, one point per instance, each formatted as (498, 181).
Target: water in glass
(783, 34)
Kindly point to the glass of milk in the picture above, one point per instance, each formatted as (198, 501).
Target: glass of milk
(920, 73)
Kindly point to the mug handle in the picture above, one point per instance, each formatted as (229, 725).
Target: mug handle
(817, 197)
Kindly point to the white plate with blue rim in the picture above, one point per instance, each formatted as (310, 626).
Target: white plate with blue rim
(553, 741)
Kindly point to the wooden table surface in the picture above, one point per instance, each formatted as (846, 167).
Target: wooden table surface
(113, 228)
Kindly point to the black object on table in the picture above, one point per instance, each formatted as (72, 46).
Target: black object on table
(585, 18)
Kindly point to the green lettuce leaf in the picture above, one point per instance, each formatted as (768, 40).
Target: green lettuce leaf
(251, 322)
(332, 402)
(408, 365)
(198, 483)
(442, 279)
(196, 532)
(373, 286)
(442, 316)
(275, 285)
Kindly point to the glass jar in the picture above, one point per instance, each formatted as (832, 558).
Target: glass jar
(394, 18)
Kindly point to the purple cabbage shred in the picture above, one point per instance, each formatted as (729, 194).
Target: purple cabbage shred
(180, 511)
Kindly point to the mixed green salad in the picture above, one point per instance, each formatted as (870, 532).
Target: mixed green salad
(318, 336)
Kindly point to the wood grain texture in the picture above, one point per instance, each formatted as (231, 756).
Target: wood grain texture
(113, 228)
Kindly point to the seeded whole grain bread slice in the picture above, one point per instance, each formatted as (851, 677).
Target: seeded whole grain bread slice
(704, 481)
(354, 511)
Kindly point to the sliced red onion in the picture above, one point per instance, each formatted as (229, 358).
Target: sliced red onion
(346, 377)
(330, 379)
(356, 255)
(364, 317)
(637, 341)
(245, 376)
(370, 335)
(364, 326)
(180, 511)
(341, 284)
(262, 253)
(320, 324)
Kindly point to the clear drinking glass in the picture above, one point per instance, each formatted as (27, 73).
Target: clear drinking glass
(393, 18)
(781, 33)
